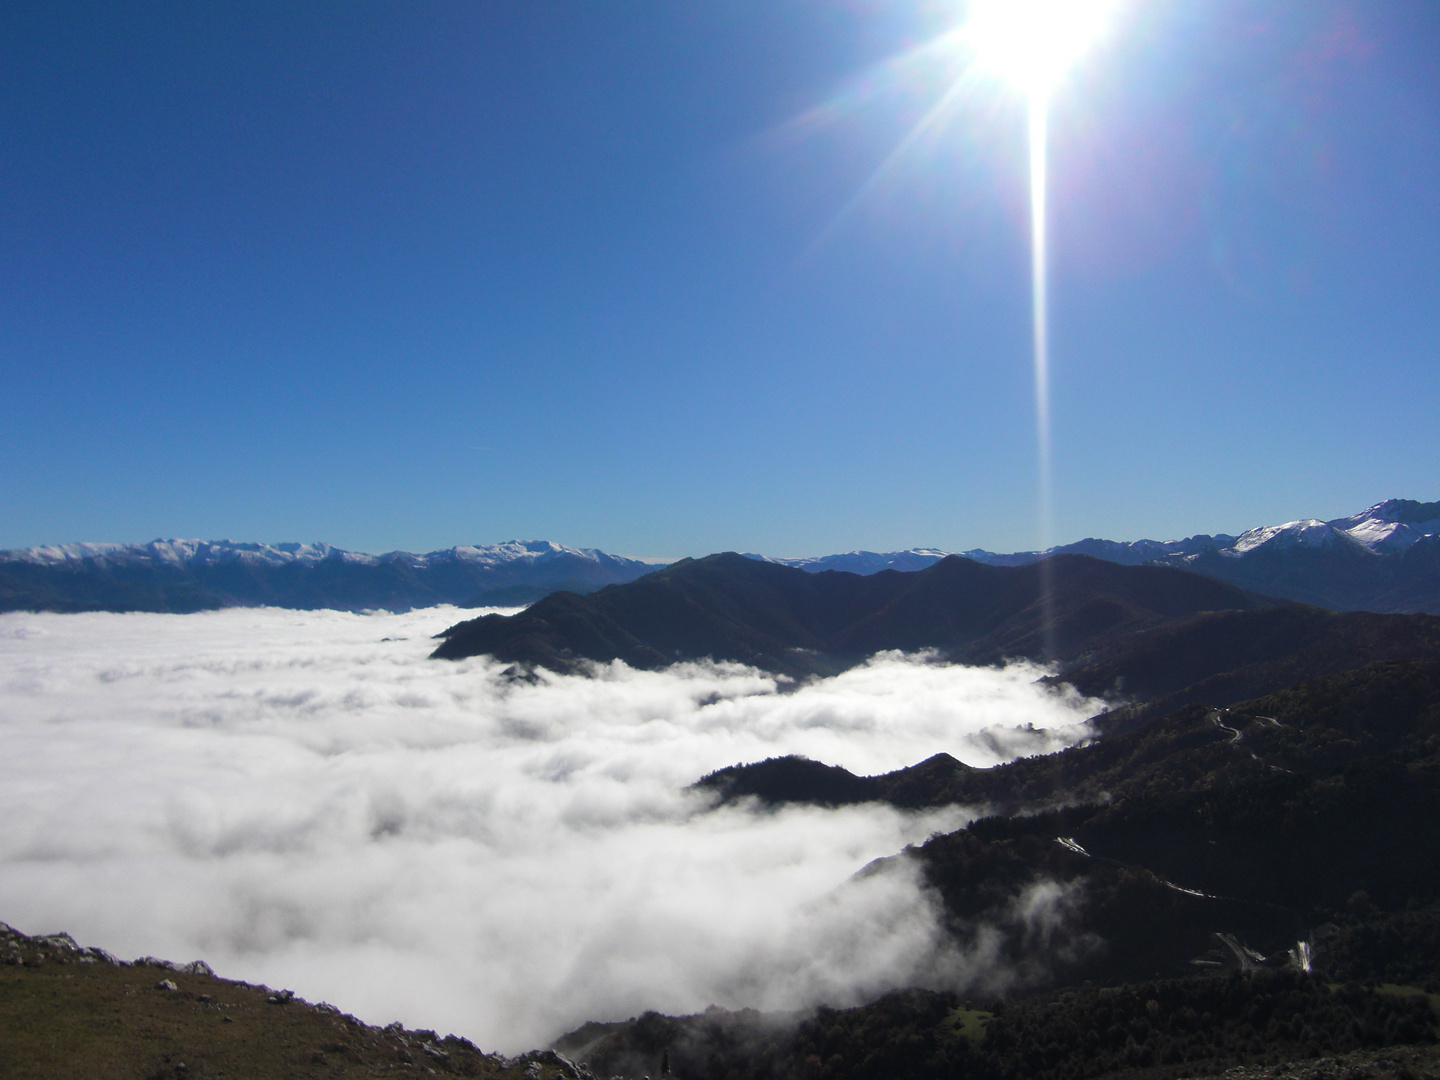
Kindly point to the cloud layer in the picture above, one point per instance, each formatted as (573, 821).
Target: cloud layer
(303, 799)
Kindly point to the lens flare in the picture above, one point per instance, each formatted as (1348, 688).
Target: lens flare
(1029, 46)
(1039, 302)
(1032, 43)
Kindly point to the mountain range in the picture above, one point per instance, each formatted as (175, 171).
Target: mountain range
(1386, 558)
(784, 620)
(1236, 871)
(196, 575)
(1149, 638)
(1254, 821)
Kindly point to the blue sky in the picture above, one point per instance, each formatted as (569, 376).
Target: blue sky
(409, 275)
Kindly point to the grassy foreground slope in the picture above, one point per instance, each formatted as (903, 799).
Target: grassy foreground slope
(68, 1012)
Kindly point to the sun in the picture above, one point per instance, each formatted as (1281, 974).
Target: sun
(1032, 43)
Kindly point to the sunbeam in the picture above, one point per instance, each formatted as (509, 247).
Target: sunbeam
(1040, 343)
(1029, 46)
(1032, 44)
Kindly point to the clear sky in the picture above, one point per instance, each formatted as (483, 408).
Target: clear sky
(623, 274)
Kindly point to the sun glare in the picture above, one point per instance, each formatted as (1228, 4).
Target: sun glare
(1032, 43)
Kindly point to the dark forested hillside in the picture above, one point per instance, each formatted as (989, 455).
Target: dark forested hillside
(784, 620)
(1156, 1029)
(1221, 887)
(1265, 821)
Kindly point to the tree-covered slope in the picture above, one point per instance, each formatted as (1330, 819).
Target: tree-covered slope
(729, 607)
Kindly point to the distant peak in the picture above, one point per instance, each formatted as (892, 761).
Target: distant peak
(191, 552)
(1403, 512)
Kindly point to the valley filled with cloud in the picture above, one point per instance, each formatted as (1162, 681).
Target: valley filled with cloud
(305, 799)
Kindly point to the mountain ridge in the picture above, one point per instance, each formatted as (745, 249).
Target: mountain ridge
(196, 575)
(790, 622)
(1385, 558)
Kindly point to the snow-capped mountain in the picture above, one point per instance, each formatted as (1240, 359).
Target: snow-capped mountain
(1384, 528)
(220, 552)
(180, 553)
(862, 562)
(1305, 533)
(194, 575)
(1392, 525)
(1132, 553)
(1385, 558)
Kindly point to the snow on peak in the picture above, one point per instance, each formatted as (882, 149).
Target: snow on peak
(171, 552)
(1384, 528)
(1307, 532)
(1403, 511)
(513, 551)
(1383, 536)
(55, 554)
(861, 562)
(1392, 525)
(216, 552)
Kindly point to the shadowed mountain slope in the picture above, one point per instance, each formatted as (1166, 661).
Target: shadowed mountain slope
(781, 619)
(1283, 819)
(1308, 815)
(1155, 1030)
(1339, 575)
(1222, 887)
(1321, 724)
(1219, 658)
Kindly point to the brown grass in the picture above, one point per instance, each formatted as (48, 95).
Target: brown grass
(70, 1013)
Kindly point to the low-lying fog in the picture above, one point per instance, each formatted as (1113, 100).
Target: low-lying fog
(304, 799)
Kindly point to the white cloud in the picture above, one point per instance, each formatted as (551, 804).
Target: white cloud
(300, 802)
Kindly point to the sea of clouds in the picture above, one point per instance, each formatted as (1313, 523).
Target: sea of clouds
(304, 799)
